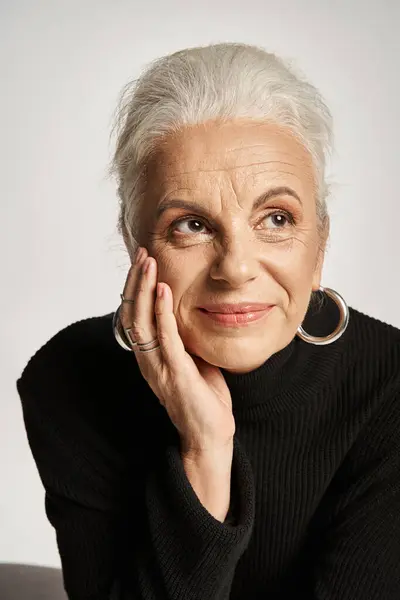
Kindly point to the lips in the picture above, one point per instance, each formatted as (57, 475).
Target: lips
(238, 308)
(236, 319)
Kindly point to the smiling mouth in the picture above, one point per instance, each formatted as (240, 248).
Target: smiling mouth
(237, 319)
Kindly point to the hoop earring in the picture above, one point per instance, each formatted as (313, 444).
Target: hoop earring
(121, 339)
(341, 327)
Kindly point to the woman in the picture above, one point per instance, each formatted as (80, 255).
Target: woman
(236, 441)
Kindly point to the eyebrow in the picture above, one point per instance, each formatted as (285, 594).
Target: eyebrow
(271, 193)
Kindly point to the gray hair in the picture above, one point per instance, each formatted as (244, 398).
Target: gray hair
(218, 81)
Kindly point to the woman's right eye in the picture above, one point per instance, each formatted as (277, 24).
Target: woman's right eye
(194, 226)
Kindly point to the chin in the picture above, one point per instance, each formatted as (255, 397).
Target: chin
(239, 355)
(243, 366)
(239, 350)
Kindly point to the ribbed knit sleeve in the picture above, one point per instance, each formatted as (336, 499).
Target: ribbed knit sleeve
(175, 550)
(195, 553)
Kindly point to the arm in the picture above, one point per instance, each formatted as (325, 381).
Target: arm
(209, 474)
(159, 542)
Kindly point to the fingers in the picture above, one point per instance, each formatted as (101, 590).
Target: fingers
(172, 347)
(139, 316)
(126, 309)
(151, 316)
(143, 324)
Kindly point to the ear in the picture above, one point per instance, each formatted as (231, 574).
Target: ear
(323, 234)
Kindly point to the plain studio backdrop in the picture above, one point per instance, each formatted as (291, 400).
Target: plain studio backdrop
(63, 64)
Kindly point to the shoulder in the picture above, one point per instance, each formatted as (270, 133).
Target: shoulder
(360, 370)
(368, 352)
(80, 419)
(370, 386)
(370, 369)
(373, 343)
(372, 329)
(82, 371)
(82, 382)
(80, 346)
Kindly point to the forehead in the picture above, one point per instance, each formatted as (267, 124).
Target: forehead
(249, 152)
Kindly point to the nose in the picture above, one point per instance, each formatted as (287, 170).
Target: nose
(236, 264)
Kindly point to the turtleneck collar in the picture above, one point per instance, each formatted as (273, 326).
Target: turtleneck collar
(286, 378)
(248, 386)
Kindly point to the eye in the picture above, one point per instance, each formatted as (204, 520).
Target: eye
(193, 225)
(279, 220)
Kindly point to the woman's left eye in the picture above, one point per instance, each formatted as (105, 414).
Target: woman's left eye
(278, 220)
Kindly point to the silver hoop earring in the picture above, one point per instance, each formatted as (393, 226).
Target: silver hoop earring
(341, 327)
(117, 333)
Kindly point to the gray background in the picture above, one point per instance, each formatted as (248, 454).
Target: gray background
(63, 64)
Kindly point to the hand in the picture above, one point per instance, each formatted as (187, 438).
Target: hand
(193, 392)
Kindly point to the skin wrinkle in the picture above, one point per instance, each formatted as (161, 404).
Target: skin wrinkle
(242, 256)
(265, 162)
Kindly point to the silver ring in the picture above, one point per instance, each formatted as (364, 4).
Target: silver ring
(123, 299)
(128, 335)
(126, 342)
(150, 349)
(128, 330)
(148, 344)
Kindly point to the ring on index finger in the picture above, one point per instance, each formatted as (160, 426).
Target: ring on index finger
(128, 335)
(121, 334)
(126, 300)
(128, 330)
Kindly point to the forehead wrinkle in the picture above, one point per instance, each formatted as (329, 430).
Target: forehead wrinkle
(238, 148)
(308, 176)
(298, 155)
(167, 160)
(267, 162)
(236, 193)
(233, 168)
(284, 171)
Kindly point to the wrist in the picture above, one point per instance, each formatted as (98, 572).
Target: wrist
(210, 462)
(200, 452)
(209, 474)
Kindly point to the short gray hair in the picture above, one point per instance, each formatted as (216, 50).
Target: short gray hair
(218, 81)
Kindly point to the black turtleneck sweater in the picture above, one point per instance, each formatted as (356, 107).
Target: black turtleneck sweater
(315, 492)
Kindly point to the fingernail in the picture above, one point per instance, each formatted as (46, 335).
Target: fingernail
(139, 255)
(146, 265)
(160, 290)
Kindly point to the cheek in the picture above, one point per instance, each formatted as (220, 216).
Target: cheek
(295, 258)
(293, 268)
(178, 273)
(168, 270)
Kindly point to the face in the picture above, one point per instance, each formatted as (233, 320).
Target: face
(249, 235)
